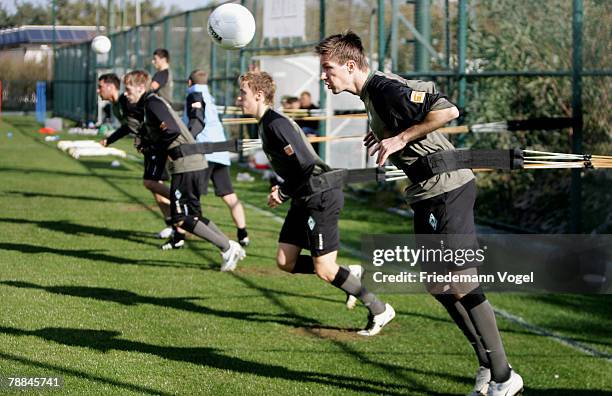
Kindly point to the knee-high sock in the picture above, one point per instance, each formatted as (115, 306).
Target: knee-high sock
(207, 230)
(483, 318)
(352, 285)
(463, 321)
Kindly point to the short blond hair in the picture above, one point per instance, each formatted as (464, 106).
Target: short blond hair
(260, 81)
(138, 77)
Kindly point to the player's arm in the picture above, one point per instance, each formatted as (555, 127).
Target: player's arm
(297, 157)
(171, 130)
(195, 112)
(424, 112)
(120, 133)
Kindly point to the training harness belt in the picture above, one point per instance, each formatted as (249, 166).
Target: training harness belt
(184, 150)
(452, 160)
(420, 170)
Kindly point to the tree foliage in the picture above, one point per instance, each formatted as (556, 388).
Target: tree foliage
(531, 36)
(79, 13)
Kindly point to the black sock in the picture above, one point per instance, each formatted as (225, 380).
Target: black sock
(303, 265)
(241, 233)
(483, 318)
(345, 281)
(463, 321)
(176, 235)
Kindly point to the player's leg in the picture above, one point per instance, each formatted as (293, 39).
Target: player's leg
(462, 319)
(223, 188)
(288, 259)
(324, 241)
(186, 214)
(153, 180)
(469, 308)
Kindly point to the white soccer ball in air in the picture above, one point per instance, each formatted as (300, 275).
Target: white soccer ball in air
(231, 26)
(101, 44)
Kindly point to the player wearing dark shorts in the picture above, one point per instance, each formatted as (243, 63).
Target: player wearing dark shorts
(131, 117)
(403, 116)
(201, 116)
(154, 165)
(312, 220)
(220, 176)
(165, 132)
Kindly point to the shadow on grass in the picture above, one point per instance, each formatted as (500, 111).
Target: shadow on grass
(400, 372)
(81, 375)
(106, 340)
(126, 297)
(75, 229)
(27, 194)
(51, 172)
(95, 255)
(565, 392)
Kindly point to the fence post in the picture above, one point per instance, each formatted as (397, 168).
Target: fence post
(576, 186)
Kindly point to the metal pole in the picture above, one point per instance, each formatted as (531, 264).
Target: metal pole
(152, 45)
(394, 34)
(54, 38)
(137, 47)
(242, 56)
(422, 21)
(97, 17)
(575, 225)
(127, 36)
(227, 94)
(167, 32)
(322, 91)
(213, 67)
(138, 18)
(372, 36)
(122, 4)
(462, 52)
(447, 46)
(187, 53)
(381, 35)
(111, 17)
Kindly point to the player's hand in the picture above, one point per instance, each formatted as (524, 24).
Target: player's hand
(274, 198)
(103, 143)
(386, 147)
(370, 140)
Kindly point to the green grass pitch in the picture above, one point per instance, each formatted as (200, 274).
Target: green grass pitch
(87, 295)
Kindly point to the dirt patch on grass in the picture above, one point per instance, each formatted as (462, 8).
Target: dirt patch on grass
(328, 333)
(138, 208)
(266, 271)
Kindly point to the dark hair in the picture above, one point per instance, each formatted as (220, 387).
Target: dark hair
(292, 99)
(198, 77)
(343, 47)
(110, 78)
(162, 53)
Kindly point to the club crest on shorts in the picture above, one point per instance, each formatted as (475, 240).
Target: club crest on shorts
(288, 150)
(178, 194)
(311, 223)
(432, 221)
(417, 97)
